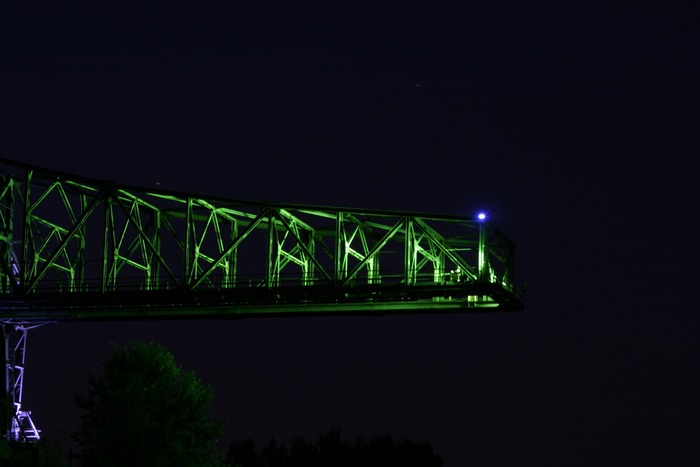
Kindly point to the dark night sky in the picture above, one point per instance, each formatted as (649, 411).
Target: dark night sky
(575, 124)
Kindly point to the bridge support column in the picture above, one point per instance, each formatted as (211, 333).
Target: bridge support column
(17, 424)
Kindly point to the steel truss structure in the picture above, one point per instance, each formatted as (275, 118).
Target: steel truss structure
(76, 248)
(18, 422)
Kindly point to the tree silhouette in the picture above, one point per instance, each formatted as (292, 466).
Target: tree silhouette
(331, 450)
(37, 454)
(302, 453)
(145, 410)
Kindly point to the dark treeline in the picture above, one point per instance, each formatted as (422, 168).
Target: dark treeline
(331, 450)
(41, 454)
(144, 409)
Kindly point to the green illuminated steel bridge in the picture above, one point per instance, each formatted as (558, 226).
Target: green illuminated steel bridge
(73, 248)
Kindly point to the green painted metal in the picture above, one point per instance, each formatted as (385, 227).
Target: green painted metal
(75, 248)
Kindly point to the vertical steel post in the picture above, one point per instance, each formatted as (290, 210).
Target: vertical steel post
(232, 261)
(190, 239)
(155, 269)
(410, 259)
(79, 284)
(482, 270)
(24, 267)
(9, 277)
(272, 252)
(105, 245)
(339, 248)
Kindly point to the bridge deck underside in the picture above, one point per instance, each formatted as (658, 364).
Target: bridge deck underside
(254, 302)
